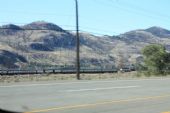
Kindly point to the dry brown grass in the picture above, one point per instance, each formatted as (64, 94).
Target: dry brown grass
(28, 78)
(55, 77)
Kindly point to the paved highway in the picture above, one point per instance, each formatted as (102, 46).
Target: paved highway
(104, 96)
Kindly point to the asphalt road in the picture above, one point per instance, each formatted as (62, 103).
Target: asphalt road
(107, 96)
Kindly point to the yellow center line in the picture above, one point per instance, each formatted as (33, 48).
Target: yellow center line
(100, 103)
(166, 112)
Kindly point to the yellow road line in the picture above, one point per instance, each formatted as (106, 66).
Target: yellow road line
(99, 103)
(166, 112)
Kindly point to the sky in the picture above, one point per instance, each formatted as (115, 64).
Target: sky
(100, 17)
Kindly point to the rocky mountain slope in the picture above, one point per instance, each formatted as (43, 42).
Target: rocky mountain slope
(42, 44)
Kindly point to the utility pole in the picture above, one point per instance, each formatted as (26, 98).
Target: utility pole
(77, 43)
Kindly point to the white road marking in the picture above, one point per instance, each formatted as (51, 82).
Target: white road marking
(107, 88)
(82, 82)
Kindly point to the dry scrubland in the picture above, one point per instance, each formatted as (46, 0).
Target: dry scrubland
(55, 77)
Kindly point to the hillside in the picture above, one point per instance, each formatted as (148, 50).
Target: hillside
(50, 45)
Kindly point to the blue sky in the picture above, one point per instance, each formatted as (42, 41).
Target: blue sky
(110, 17)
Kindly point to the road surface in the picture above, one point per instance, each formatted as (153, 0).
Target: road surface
(104, 96)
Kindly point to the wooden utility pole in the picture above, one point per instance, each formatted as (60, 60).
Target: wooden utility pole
(77, 43)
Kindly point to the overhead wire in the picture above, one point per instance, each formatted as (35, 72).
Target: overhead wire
(31, 29)
(141, 10)
(137, 7)
(129, 8)
(82, 28)
(132, 10)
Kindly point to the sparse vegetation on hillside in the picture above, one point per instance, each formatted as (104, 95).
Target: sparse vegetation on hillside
(55, 46)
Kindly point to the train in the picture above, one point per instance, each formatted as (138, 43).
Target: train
(65, 70)
(53, 71)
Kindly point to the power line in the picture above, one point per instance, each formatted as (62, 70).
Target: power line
(23, 24)
(93, 33)
(140, 9)
(97, 30)
(144, 10)
(30, 29)
(136, 11)
(82, 28)
(50, 30)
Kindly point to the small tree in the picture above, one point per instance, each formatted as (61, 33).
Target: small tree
(167, 60)
(155, 58)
